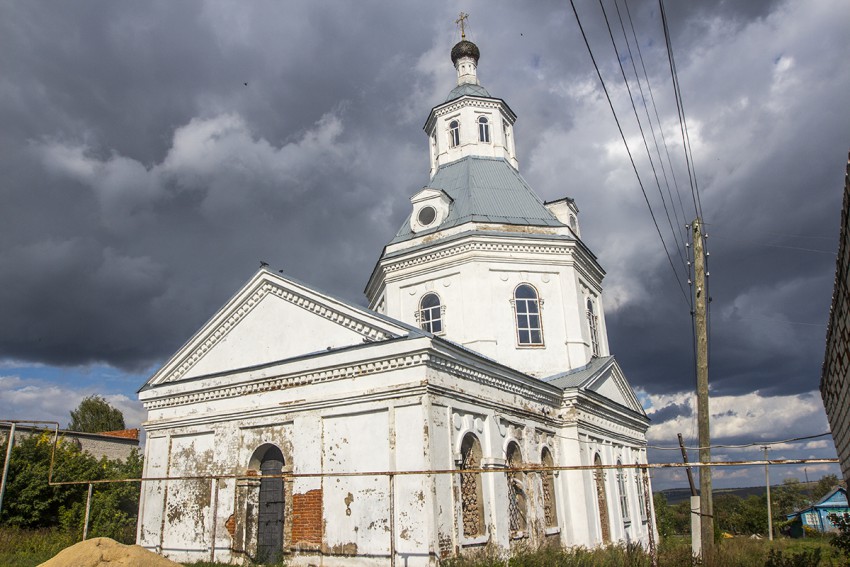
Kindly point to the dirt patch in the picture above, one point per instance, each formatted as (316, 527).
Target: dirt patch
(105, 552)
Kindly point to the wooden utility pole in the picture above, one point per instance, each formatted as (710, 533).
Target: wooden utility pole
(767, 485)
(701, 327)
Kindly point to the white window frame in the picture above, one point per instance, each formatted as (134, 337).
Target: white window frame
(521, 308)
(483, 129)
(454, 133)
(438, 310)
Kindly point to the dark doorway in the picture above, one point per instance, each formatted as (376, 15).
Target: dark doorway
(270, 528)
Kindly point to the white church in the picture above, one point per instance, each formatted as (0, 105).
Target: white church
(484, 349)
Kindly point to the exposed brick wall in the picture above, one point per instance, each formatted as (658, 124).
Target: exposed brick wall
(307, 519)
(835, 379)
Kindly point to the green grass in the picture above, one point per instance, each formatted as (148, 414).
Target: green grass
(28, 548)
(674, 552)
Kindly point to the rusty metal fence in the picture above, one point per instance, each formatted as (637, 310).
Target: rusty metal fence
(466, 469)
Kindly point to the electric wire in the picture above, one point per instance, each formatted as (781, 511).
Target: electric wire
(742, 445)
(631, 158)
(679, 222)
(657, 118)
(681, 112)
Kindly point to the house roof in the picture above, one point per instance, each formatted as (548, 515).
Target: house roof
(835, 498)
(837, 495)
(485, 189)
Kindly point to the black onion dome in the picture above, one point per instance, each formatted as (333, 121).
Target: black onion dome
(465, 48)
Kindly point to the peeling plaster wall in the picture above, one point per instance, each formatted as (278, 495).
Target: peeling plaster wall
(410, 417)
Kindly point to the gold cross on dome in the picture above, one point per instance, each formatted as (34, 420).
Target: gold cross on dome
(462, 22)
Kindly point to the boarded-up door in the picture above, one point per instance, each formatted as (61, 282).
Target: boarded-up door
(270, 528)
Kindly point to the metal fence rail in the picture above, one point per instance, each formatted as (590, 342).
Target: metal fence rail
(215, 480)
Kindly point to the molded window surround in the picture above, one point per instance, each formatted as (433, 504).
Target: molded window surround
(621, 492)
(471, 493)
(593, 327)
(483, 129)
(517, 500)
(430, 313)
(529, 327)
(550, 508)
(641, 493)
(454, 134)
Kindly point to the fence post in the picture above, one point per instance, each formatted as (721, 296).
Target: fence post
(88, 508)
(392, 520)
(650, 516)
(214, 518)
(9, 443)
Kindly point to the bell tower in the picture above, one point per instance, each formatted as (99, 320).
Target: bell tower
(481, 259)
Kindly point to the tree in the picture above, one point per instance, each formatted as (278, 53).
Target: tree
(30, 502)
(663, 517)
(787, 498)
(94, 414)
(824, 486)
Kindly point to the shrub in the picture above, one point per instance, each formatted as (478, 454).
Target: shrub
(841, 540)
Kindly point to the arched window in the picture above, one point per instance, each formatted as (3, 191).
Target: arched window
(550, 510)
(641, 492)
(483, 129)
(517, 502)
(622, 494)
(601, 499)
(454, 134)
(430, 313)
(471, 494)
(592, 325)
(527, 306)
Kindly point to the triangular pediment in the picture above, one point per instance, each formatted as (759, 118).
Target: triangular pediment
(611, 383)
(430, 193)
(273, 318)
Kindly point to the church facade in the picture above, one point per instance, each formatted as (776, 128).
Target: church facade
(296, 425)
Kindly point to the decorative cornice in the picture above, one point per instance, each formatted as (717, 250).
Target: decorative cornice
(368, 331)
(289, 381)
(479, 246)
(514, 387)
(281, 382)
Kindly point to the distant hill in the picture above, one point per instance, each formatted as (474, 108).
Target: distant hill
(676, 495)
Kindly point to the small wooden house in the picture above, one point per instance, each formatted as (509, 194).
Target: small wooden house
(816, 516)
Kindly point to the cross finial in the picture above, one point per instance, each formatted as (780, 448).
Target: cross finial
(462, 22)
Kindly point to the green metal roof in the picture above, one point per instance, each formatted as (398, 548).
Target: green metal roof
(467, 89)
(484, 189)
(578, 377)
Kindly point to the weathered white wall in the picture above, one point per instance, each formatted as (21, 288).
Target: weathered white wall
(476, 290)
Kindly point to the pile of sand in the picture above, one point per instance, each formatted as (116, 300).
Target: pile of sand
(105, 552)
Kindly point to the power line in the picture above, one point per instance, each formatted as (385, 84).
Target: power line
(631, 158)
(743, 445)
(686, 142)
(657, 118)
(651, 128)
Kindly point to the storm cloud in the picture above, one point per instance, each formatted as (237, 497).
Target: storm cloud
(152, 154)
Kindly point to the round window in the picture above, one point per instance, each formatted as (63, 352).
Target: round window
(427, 215)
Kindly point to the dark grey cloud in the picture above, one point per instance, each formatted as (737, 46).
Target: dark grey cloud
(670, 411)
(143, 180)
